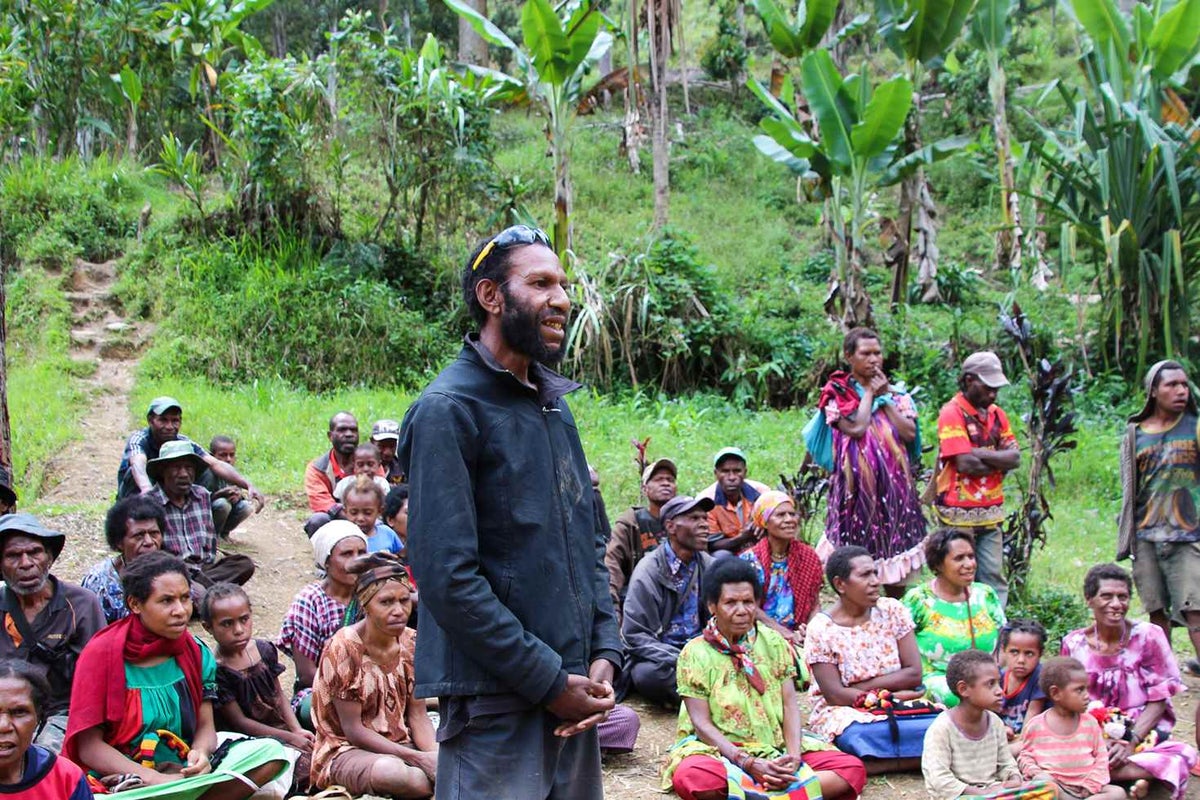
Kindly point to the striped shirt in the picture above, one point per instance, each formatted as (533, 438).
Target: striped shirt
(1078, 761)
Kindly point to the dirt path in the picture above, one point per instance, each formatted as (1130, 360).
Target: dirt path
(82, 488)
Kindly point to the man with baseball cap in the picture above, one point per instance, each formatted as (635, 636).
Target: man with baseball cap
(976, 448)
(663, 608)
(189, 531)
(386, 435)
(733, 496)
(163, 420)
(1159, 525)
(43, 620)
(639, 530)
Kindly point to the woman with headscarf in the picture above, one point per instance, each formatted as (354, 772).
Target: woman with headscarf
(320, 608)
(788, 569)
(373, 737)
(141, 705)
(865, 433)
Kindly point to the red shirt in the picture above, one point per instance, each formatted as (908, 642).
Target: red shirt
(962, 428)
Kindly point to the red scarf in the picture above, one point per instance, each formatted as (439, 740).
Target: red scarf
(803, 575)
(99, 699)
(840, 390)
(739, 654)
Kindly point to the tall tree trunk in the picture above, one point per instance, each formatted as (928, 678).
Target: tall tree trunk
(916, 200)
(633, 131)
(131, 133)
(1008, 238)
(562, 180)
(904, 218)
(279, 40)
(472, 49)
(677, 16)
(5, 428)
(656, 20)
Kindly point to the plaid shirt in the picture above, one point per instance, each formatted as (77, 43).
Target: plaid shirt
(189, 533)
(312, 619)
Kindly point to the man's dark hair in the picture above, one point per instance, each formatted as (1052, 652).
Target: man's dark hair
(1058, 672)
(221, 440)
(39, 688)
(1030, 627)
(850, 343)
(215, 594)
(139, 507)
(1104, 572)
(138, 581)
(937, 546)
(965, 666)
(838, 565)
(729, 570)
(397, 496)
(333, 419)
(494, 267)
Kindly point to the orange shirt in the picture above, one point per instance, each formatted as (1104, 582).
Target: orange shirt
(727, 518)
(962, 428)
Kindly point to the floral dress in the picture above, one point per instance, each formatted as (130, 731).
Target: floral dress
(1143, 672)
(945, 628)
(753, 721)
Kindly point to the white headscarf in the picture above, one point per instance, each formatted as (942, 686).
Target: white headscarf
(327, 537)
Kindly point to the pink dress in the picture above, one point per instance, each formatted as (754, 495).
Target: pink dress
(1144, 671)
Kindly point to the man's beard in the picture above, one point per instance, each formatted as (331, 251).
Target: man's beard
(521, 328)
(16, 587)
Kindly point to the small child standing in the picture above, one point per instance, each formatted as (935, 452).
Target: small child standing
(362, 504)
(366, 462)
(966, 750)
(250, 700)
(1064, 744)
(1020, 645)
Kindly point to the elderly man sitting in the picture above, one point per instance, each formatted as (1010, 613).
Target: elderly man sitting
(46, 621)
(663, 609)
(189, 531)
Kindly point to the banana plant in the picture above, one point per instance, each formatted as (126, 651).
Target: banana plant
(920, 32)
(857, 130)
(129, 85)
(559, 50)
(794, 39)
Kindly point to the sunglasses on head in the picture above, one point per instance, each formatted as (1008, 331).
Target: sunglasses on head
(510, 237)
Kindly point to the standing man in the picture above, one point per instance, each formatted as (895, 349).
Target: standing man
(976, 448)
(163, 421)
(324, 472)
(43, 620)
(1159, 524)
(518, 637)
(733, 494)
(638, 530)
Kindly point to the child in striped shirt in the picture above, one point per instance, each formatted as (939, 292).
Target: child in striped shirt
(1065, 745)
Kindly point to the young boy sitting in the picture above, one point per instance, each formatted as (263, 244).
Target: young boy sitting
(366, 462)
(1064, 744)
(966, 749)
(230, 507)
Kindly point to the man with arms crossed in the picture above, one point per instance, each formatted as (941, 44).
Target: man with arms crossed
(518, 637)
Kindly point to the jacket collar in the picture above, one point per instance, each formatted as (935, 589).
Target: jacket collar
(551, 385)
(748, 492)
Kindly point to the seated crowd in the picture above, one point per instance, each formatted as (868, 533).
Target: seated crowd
(721, 615)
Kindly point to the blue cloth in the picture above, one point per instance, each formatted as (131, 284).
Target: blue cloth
(686, 623)
(384, 538)
(778, 601)
(1013, 709)
(874, 739)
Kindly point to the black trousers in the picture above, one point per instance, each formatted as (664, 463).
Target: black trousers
(489, 750)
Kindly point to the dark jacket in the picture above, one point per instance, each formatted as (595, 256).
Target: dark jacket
(650, 604)
(501, 535)
(60, 631)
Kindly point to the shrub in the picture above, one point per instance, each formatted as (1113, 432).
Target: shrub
(252, 312)
(1060, 610)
